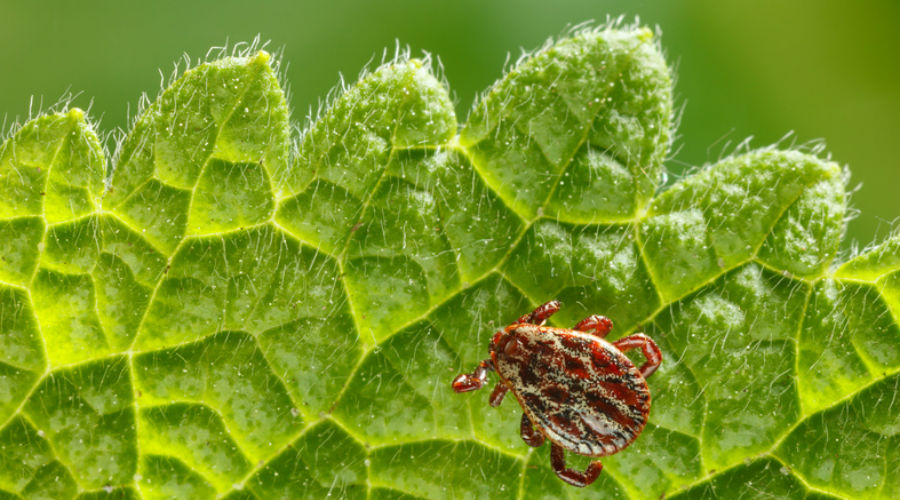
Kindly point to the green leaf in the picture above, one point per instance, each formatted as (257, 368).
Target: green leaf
(233, 312)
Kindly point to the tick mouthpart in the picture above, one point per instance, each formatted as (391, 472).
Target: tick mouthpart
(498, 339)
(502, 338)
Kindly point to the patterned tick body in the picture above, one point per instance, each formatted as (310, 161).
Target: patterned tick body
(575, 388)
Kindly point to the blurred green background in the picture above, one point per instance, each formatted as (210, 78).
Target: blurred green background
(825, 69)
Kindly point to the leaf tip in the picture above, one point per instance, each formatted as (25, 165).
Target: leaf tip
(262, 57)
(645, 34)
(76, 114)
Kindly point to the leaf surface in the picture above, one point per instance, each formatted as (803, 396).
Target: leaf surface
(222, 315)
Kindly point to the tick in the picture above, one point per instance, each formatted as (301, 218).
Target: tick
(575, 388)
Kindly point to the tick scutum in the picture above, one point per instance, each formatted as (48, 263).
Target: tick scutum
(577, 388)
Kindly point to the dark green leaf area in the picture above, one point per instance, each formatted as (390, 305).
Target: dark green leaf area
(446, 469)
(21, 354)
(197, 436)
(230, 196)
(473, 220)
(760, 480)
(52, 167)
(346, 152)
(851, 449)
(806, 237)
(721, 216)
(388, 494)
(400, 390)
(661, 461)
(52, 481)
(314, 356)
(19, 237)
(197, 149)
(592, 268)
(85, 415)
(577, 120)
(397, 106)
(423, 238)
(251, 280)
(382, 406)
(240, 495)
(323, 462)
(849, 339)
(229, 375)
(374, 163)
(25, 453)
(398, 210)
(745, 362)
(166, 477)
(91, 283)
(110, 494)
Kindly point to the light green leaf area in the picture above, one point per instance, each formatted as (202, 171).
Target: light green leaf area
(232, 311)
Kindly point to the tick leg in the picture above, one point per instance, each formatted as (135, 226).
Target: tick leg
(575, 478)
(497, 395)
(648, 347)
(540, 315)
(529, 434)
(601, 325)
(466, 382)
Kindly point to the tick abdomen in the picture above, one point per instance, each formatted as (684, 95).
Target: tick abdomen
(579, 390)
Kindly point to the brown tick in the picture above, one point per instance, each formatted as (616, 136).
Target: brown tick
(575, 388)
